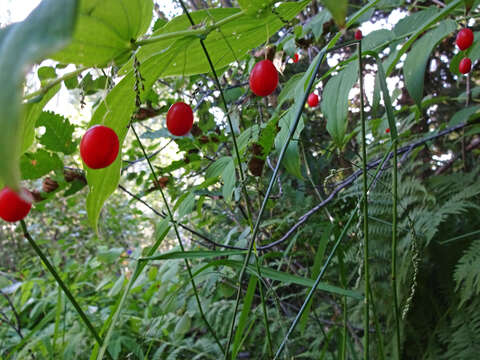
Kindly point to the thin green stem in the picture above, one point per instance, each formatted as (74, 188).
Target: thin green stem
(180, 242)
(243, 185)
(52, 83)
(366, 319)
(315, 285)
(62, 285)
(394, 248)
(377, 327)
(268, 192)
(343, 281)
(265, 314)
(317, 281)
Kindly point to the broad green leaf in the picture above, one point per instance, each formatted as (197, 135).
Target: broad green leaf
(338, 9)
(58, 133)
(105, 31)
(30, 115)
(183, 326)
(186, 206)
(414, 20)
(247, 137)
(419, 30)
(417, 58)
(216, 169)
(254, 7)
(229, 179)
(291, 161)
(335, 102)
(295, 91)
(315, 25)
(289, 90)
(109, 255)
(251, 269)
(46, 72)
(376, 38)
(45, 30)
(38, 164)
(282, 277)
(115, 112)
(463, 115)
(117, 286)
(185, 56)
(246, 309)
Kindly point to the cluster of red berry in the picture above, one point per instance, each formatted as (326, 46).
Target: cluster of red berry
(464, 41)
(264, 80)
(99, 148)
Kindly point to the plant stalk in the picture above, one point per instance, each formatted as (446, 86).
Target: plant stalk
(62, 285)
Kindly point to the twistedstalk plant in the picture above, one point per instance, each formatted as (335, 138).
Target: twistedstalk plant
(63, 286)
(246, 197)
(239, 330)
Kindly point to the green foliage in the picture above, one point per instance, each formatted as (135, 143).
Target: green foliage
(47, 28)
(466, 275)
(154, 293)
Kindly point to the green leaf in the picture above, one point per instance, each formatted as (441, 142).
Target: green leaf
(105, 30)
(44, 31)
(115, 112)
(316, 24)
(417, 58)
(291, 161)
(117, 286)
(335, 102)
(184, 56)
(376, 38)
(186, 206)
(463, 115)
(58, 133)
(282, 277)
(338, 9)
(46, 72)
(183, 326)
(289, 90)
(109, 255)
(413, 21)
(242, 322)
(254, 7)
(229, 179)
(30, 115)
(247, 137)
(36, 165)
(217, 168)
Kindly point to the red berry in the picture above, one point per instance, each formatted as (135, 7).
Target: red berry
(312, 100)
(465, 65)
(295, 58)
(387, 130)
(464, 38)
(99, 147)
(263, 78)
(179, 119)
(14, 206)
(358, 35)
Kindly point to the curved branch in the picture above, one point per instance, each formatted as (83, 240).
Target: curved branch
(351, 179)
